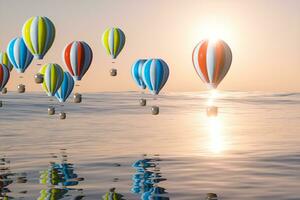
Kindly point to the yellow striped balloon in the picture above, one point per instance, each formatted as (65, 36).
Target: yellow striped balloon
(38, 34)
(113, 40)
(53, 78)
(4, 60)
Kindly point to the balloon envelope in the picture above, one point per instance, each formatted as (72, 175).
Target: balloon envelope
(38, 33)
(78, 57)
(4, 76)
(212, 60)
(66, 88)
(136, 72)
(5, 60)
(19, 55)
(113, 40)
(53, 78)
(155, 74)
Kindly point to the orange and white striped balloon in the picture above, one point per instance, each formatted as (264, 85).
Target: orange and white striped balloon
(212, 60)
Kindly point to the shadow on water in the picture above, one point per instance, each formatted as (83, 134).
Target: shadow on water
(59, 179)
(147, 178)
(8, 178)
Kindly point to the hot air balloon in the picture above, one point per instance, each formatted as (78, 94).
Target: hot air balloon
(19, 55)
(212, 60)
(66, 88)
(5, 60)
(38, 33)
(4, 76)
(136, 72)
(155, 74)
(113, 40)
(53, 78)
(77, 57)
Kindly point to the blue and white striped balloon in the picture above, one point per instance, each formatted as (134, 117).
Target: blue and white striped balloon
(66, 88)
(19, 55)
(155, 74)
(136, 72)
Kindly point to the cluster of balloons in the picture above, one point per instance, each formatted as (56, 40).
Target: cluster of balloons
(211, 59)
(38, 34)
(152, 74)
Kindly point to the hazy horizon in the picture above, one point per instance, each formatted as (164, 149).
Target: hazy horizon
(263, 36)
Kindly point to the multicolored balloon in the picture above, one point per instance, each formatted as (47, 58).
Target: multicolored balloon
(113, 40)
(78, 57)
(66, 88)
(38, 33)
(53, 78)
(5, 60)
(19, 55)
(155, 74)
(4, 76)
(212, 60)
(136, 72)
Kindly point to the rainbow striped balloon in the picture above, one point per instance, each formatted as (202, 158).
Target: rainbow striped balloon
(5, 60)
(212, 60)
(155, 74)
(66, 88)
(136, 72)
(113, 40)
(38, 33)
(19, 55)
(78, 57)
(4, 76)
(53, 78)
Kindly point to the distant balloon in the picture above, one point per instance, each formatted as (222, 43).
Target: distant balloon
(19, 55)
(4, 76)
(66, 88)
(136, 72)
(5, 60)
(53, 78)
(38, 33)
(155, 74)
(78, 57)
(212, 60)
(38, 78)
(113, 40)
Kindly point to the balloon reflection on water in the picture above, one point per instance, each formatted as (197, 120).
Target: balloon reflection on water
(147, 178)
(8, 178)
(59, 178)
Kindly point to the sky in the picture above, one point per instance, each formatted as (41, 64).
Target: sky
(264, 36)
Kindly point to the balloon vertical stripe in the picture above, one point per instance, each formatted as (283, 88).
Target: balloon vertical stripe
(78, 57)
(155, 74)
(5, 60)
(212, 60)
(66, 88)
(53, 78)
(136, 72)
(39, 34)
(113, 40)
(4, 76)
(19, 55)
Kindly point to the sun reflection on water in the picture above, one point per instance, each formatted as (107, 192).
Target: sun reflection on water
(216, 137)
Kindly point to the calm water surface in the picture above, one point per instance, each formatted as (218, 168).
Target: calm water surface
(251, 151)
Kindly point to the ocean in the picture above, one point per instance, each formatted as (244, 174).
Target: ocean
(111, 147)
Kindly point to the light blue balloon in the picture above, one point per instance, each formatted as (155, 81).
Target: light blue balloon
(155, 74)
(18, 54)
(136, 72)
(66, 88)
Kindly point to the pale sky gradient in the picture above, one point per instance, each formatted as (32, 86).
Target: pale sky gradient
(264, 36)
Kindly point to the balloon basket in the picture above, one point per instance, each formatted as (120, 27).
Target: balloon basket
(212, 111)
(143, 102)
(155, 110)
